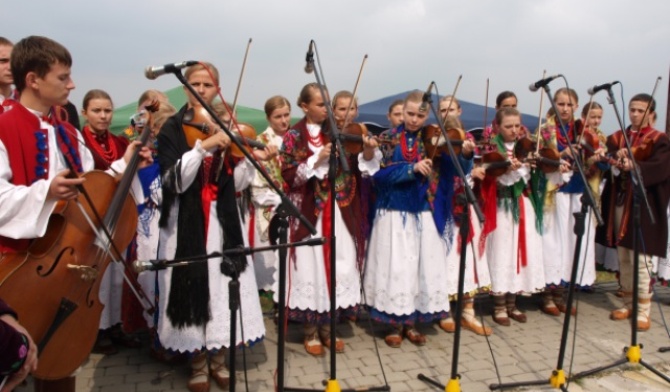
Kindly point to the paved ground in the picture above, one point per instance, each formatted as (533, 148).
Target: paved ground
(520, 352)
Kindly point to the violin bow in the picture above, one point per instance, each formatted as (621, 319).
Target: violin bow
(451, 102)
(653, 93)
(539, 119)
(667, 109)
(231, 111)
(585, 125)
(486, 113)
(353, 93)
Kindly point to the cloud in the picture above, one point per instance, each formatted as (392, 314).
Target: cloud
(409, 43)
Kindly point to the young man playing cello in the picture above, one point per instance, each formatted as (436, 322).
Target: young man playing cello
(34, 146)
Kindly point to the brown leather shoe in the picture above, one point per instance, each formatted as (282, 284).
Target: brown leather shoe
(643, 324)
(220, 374)
(415, 336)
(563, 307)
(620, 314)
(313, 346)
(448, 325)
(393, 339)
(551, 310)
(199, 381)
(339, 344)
(517, 315)
(501, 318)
(476, 327)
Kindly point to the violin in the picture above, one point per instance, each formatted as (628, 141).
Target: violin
(197, 125)
(246, 136)
(434, 142)
(54, 284)
(495, 163)
(546, 159)
(353, 136)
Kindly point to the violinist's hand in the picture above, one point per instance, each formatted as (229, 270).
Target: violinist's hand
(564, 166)
(267, 153)
(567, 153)
(515, 164)
(468, 148)
(63, 188)
(626, 164)
(324, 154)
(622, 153)
(478, 173)
(370, 144)
(30, 364)
(423, 167)
(219, 140)
(145, 153)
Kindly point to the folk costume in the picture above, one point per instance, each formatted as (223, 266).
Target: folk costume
(33, 149)
(265, 201)
(406, 269)
(512, 230)
(477, 276)
(562, 200)
(199, 217)
(617, 208)
(308, 280)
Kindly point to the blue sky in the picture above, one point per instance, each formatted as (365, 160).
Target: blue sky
(409, 43)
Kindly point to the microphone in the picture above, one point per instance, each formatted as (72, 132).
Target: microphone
(309, 58)
(145, 265)
(156, 265)
(427, 97)
(542, 82)
(605, 86)
(153, 72)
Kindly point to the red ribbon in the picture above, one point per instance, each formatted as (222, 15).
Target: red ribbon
(209, 192)
(521, 251)
(327, 233)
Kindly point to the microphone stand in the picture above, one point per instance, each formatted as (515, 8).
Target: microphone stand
(228, 268)
(454, 382)
(634, 351)
(233, 285)
(557, 378)
(332, 385)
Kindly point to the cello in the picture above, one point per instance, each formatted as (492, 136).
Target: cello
(62, 270)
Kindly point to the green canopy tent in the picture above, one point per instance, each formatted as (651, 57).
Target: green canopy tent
(177, 98)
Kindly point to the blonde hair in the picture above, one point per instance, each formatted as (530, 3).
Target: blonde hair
(203, 66)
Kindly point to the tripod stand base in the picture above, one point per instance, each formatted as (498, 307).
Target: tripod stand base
(454, 384)
(634, 354)
(557, 379)
(333, 386)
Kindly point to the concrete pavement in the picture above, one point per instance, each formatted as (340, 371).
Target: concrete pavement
(521, 352)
